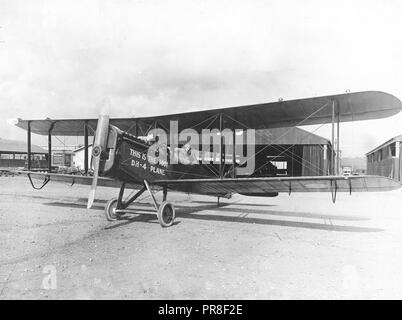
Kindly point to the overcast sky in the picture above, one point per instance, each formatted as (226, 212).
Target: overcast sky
(63, 58)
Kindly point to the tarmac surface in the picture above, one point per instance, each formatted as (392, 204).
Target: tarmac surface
(290, 247)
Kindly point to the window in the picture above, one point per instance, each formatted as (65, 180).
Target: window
(281, 165)
(19, 156)
(392, 147)
(58, 159)
(67, 160)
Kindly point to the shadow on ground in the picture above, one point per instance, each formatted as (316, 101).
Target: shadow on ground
(147, 214)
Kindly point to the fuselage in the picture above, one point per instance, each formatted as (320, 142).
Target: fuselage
(128, 159)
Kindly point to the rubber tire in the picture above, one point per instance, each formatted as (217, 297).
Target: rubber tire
(165, 221)
(110, 206)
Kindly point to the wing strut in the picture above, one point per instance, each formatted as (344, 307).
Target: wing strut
(335, 158)
(338, 144)
(49, 148)
(333, 139)
(350, 187)
(334, 189)
(29, 145)
(86, 157)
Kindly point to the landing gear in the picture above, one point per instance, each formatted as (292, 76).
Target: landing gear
(166, 214)
(110, 210)
(116, 207)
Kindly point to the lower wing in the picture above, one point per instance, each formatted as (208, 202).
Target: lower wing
(266, 185)
(74, 179)
(251, 186)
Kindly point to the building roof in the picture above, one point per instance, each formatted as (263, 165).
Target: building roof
(292, 135)
(392, 140)
(14, 146)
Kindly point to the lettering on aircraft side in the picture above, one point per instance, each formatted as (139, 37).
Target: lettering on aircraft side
(143, 161)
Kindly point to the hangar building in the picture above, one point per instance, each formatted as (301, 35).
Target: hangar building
(13, 154)
(385, 160)
(292, 152)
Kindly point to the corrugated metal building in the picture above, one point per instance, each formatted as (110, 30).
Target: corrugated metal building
(13, 154)
(283, 152)
(385, 160)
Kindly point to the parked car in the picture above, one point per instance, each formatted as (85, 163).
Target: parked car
(347, 171)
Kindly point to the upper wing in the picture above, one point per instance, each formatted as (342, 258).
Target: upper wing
(279, 184)
(351, 107)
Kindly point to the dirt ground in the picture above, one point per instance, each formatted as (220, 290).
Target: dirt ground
(290, 247)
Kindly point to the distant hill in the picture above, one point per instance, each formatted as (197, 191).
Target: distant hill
(357, 163)
(11, 146)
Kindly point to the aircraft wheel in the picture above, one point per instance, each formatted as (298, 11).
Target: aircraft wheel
(110, 210)
(166, 214)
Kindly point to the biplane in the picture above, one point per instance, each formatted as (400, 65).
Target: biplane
(120, 155)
